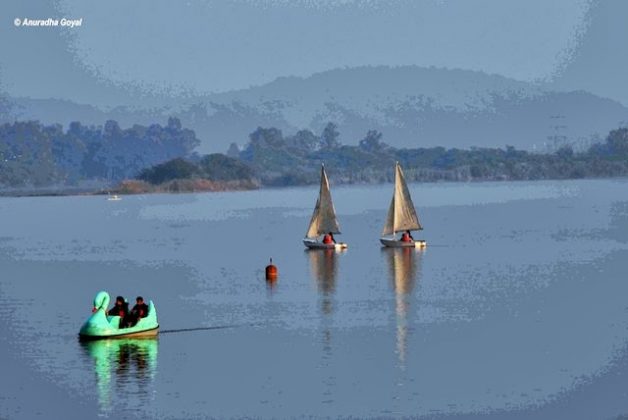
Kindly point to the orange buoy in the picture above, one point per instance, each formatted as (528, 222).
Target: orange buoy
(271, 271)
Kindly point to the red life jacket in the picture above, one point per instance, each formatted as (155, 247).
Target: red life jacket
(327, 239)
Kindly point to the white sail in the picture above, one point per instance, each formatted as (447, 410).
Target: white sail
(389, 225)
(401, 213)
(324, 216)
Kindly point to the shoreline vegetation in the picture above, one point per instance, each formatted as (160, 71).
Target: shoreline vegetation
(134, 186)
(40, 160)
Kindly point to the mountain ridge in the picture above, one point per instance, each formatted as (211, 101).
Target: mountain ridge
(413, 106)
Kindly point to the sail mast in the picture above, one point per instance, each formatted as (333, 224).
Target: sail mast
(324, 217)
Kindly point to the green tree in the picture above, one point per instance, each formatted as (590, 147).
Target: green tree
(617, 142)
(219, 167)
(173, 169)
(304, 142)
(330, 137)
(372, 142)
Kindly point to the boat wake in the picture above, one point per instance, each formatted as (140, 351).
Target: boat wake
(217, 327)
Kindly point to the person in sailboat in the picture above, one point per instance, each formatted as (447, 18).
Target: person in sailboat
(329, 238)
(407, 237)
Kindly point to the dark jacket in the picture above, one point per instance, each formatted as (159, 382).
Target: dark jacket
(121, 310)
(140, 311)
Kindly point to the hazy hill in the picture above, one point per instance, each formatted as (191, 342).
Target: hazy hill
(412, 106)
(600, 61)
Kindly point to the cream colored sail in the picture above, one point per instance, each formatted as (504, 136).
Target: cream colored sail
(324, 217)
(401, 213)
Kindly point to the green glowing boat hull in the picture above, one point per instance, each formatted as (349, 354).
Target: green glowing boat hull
(99, 326)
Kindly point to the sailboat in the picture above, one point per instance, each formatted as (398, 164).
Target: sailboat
(401, 216)
(323, 219)
(114, 197)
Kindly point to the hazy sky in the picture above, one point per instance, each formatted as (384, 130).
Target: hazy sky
(171, 46)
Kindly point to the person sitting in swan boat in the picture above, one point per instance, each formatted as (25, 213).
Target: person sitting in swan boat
(140, 310)
(121, 309)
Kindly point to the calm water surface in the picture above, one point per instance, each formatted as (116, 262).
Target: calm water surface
(518, 308)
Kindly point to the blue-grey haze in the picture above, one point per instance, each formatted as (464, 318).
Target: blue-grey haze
(216, 46)
(450, 73)
(412, 106)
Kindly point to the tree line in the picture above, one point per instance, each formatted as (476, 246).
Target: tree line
(32, 154)
(295, 159)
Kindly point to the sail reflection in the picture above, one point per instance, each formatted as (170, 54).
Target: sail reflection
(403, 271)
(131, 362)
(324, 269)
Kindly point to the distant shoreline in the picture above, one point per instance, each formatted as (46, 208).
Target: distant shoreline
(225, 188)
(176, 187)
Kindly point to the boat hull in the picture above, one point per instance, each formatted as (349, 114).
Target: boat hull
(136, 334)
(312, 244)
(395, 243)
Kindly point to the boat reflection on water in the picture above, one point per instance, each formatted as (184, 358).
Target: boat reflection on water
(324, 269)
(404, 266)
(130, 362)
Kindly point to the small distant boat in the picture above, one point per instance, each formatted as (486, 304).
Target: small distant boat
(401, 216)
(99, 325)
(114, 197)
(323, 219)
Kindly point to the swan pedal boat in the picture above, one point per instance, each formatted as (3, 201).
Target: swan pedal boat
(396, 243)
(100, 326)
(314, 244)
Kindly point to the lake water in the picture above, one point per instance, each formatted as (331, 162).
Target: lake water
(518, 307)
